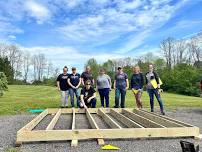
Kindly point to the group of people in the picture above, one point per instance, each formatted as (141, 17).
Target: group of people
(68, 85)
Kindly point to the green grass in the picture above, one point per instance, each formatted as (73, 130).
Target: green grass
(20, 98)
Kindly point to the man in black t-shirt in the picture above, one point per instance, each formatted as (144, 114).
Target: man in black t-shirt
(74, 81)
(63, 87)
(88, 96)
(87, 75)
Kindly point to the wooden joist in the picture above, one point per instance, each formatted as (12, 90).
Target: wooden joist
(125, 120)
(54, 120)
(108, 120)
(32, 124)
(74, 141)
(141, 120)
(157, 119)
(171, 119)
(94, 126)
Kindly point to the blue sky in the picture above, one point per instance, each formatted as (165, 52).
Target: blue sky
(69, 32)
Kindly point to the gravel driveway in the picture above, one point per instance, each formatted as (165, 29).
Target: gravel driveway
(10, 124)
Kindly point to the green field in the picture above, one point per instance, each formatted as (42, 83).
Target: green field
(20, 98)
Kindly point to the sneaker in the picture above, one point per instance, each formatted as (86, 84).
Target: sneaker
(163, 113)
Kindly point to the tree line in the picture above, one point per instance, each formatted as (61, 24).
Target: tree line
(178, 62)
(179, 65)
(20, 66)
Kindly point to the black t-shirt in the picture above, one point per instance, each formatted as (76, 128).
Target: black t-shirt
(87, 76)
(63, 82)
(74, 79)
(87, 93)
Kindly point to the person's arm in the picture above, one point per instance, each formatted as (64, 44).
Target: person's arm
(127, 84)
(110, 82)
(79, 83)
(93, 96)
(82, 79)
(142, 80)
(157, 79)
(93, 82)
(68, 80)
(131, 83)
(58, 85)
(114, 84)
(82, 101)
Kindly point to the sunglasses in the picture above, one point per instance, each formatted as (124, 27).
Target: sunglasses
(88, 84)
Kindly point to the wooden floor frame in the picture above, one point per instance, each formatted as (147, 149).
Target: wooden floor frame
(140, 123)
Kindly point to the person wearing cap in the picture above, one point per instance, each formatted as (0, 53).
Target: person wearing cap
(121, 84)
(88, 96)
(87, 75)
(63, 87)
(103, 84)
(74, 81)
(150, 76)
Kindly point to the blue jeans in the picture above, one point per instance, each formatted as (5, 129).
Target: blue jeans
(151, 93)
(118, 93)
(91, 104)
(72, 92)
(104, 95)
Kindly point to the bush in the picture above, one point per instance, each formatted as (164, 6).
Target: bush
(3, 83)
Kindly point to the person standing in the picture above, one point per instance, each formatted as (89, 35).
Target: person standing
(121, 84)
(74, 81)
(137, 82)
(87, 75)
(88, 96)
(151, 76)
(63, 87)
(103, 84)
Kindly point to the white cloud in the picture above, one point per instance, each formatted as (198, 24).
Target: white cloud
(37, 11)
(110, 23)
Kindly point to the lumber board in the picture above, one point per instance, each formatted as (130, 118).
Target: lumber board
(108, 120)
(141, 120)
(171, 119)
(81, 134)
(125, 120)
(94, 126)
(32, 124)
(54, 120)
(74, 141)
(157, 119)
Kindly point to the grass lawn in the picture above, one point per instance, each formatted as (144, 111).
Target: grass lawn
(20, 98)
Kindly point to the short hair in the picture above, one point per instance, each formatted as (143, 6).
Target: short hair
(65, 67)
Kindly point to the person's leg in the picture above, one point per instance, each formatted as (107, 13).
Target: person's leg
(101, 93)
(66, 98)
(62, 98)
(136, 99)
(77, 97)
(71, 93)
(158, 97)
(151, 97)
(93, 103)
(139, 98)
(106, 95)
(123, 96)
(117, 96)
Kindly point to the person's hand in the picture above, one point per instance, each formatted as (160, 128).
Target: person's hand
(126, 88)
(158, 86)
(85, 106)
(74, 87)
(89, 100)
(58, 89)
